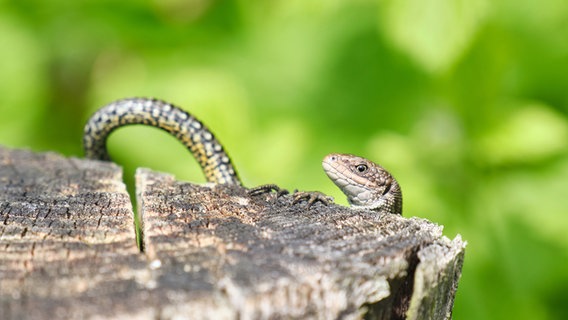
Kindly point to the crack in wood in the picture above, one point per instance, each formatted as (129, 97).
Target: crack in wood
(68, 250)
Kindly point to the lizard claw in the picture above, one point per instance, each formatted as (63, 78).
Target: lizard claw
(267, 188)
(312, 197)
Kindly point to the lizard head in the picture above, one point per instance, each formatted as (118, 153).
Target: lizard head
(366, 184)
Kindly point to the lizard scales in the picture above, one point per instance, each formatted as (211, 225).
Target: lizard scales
(193, 134)
(366, 184)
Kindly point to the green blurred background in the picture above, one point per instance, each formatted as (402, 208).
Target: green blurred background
(465, 102)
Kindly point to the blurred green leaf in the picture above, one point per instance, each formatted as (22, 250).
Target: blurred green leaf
(533, 132)
(434, 33)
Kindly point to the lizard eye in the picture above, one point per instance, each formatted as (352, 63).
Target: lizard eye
(361, 168)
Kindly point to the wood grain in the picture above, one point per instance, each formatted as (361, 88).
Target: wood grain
(68, 250)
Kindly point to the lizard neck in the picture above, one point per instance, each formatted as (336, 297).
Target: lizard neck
(390, 202)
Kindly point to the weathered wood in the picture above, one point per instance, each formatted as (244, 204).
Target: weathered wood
(436, 279)
(67, 242)
(220, 250)
(67, 250)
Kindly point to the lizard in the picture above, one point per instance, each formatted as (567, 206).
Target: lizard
(366, 184)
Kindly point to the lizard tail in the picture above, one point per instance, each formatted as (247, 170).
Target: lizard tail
(194, 135)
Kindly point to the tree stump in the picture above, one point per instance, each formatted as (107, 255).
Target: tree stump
(68, 250)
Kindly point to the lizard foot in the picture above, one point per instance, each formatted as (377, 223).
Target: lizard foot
(312, 197)
(267, 188)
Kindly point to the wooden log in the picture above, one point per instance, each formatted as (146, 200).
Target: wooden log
(223, 252)
(67, 250)
(67, 245)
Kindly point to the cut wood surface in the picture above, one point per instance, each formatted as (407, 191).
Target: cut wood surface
(68, 250)
(66, 238)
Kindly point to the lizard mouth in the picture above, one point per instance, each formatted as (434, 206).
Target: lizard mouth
(340, 173)
(334, 170)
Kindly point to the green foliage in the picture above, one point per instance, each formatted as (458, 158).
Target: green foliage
(465, 102)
